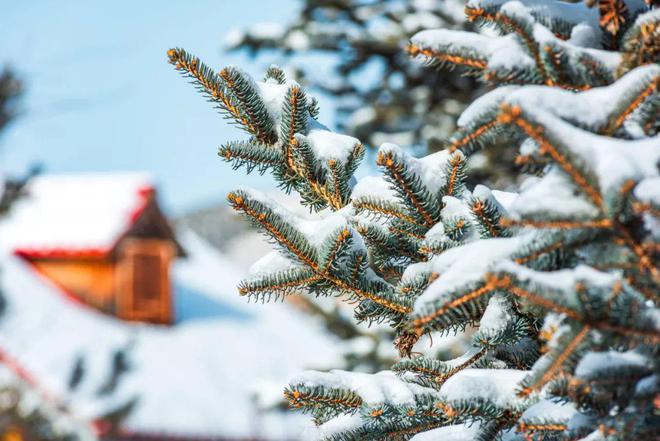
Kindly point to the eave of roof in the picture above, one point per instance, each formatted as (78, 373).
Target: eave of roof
(62, 253)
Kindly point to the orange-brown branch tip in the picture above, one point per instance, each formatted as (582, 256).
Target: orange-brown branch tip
(235, 199)
(175, 55)
(508, 113)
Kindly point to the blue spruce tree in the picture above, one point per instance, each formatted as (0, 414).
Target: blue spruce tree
(555, 285)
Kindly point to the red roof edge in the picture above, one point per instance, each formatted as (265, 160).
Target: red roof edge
(146, 193)
(16, 368)
(61, 253)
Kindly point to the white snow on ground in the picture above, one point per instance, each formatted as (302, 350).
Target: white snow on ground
(196, 378)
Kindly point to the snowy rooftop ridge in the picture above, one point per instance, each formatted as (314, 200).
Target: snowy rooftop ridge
(75, 212)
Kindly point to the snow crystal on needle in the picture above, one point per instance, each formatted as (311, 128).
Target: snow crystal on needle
(555, 196)
(549, 410)
(373, 187)
(584, 36)
(337, 425)
(506, 53)
(485, 194)
(609, 158)
(597, 361)
(648, 190)
(462, 265)
(501, 52)
(330, 145)
(454, 208)
(430, 168)
(315, 230)
(458, 432)
(590, 108)
(383, 387)
(504, 198)
(272, 262)
(573, 13)
(563, 280)
(497, 386)
(273, 94)
(484, 102)
(437, 232)
(516, 9)
(497, 315)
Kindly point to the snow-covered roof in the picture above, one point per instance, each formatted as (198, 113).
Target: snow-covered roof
(199, 378)
(77, 213)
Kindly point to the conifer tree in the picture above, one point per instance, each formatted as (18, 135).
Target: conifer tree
(560, 279)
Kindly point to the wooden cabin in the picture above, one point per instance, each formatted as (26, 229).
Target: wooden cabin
(103, 239)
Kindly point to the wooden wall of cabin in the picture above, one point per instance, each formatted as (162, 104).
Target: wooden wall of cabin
(144, 291)
(91, 280)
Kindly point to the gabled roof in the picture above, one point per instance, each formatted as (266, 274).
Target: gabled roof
(77, 214)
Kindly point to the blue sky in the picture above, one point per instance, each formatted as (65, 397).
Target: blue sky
(100, 95)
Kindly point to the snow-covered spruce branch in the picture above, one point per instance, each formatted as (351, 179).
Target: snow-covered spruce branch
(560, 279)
(326, 257)
(286, 138)
(558, 44)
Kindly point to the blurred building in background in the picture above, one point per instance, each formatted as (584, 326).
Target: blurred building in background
(102, 238)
